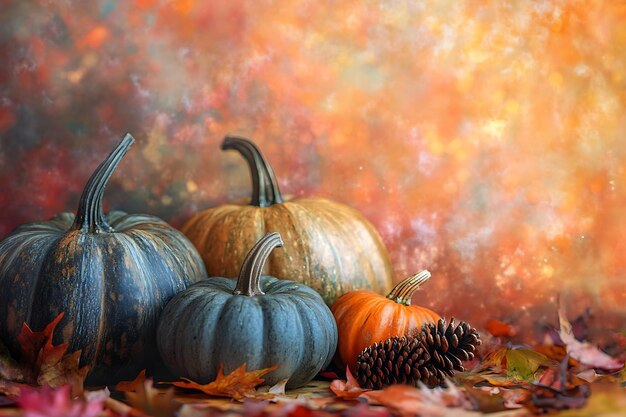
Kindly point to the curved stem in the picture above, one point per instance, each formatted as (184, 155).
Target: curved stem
(89, 216)
(265, 191)
(249, 280)
(403, 292)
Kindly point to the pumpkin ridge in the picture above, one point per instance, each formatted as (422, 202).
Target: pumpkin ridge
(348, 341)
(301, 253)
(348, 224)
(36, 273)
(330, 275)
(175, 337)
(343, 219)
(217, 218)
(209, 311)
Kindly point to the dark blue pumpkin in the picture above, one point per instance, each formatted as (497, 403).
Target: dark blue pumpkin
(258, 320)
(110, 274)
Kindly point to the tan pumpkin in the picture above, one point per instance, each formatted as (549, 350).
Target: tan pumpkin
(364, 318)
(329, 247)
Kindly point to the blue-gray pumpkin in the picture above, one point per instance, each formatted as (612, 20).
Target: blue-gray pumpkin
(110, 274)
(258, 320)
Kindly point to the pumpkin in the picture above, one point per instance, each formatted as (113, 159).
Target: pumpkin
(257, 320)
(110, 274)
(329, 246)
(364, 317)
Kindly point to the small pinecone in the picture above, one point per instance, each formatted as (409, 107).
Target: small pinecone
(449, 345)
(396, 360)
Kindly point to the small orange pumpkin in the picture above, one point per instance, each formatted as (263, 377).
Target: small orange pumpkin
(364, 317)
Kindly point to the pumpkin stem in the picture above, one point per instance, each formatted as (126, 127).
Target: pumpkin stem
(90, 217)
(265, 191)
(249, 280)
(403, 292)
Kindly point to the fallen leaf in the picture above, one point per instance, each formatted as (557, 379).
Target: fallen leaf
(31, 345)
(275, 392)
(56, 402)
(520, 363)
(43, 363)
(239, 384)
(10, 388)
(523, 363)
(363, 410)
(499, 328)
(558, 389)
(131, 386)
(279, 387)
(608, 401)
(9, 368)
(98, 395)
(584, 352)
(57, 371)
(153, 402)
(405, 400)
(348, 390)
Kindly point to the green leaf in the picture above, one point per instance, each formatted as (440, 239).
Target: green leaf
(522, 364)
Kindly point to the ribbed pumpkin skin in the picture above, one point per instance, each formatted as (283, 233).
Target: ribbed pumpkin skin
(364, 318)
(206, 325)
(111, 275)
(111, 286)
(329, 247)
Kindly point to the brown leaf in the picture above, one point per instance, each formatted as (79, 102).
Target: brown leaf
(348, 390)
(559, 389)
(11, 389)
(151, 401)
(57, 371)
(9, 369)
(407, 401)
(31, 344)
(132, 386)
(584, 352)
(43, 363)
(239, 384)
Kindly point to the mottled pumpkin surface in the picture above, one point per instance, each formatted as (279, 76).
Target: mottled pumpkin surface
(206, 326)
(111, 286)
(329, 246)
(110, 274)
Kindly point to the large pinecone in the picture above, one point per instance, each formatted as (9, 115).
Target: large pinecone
(449, 344)
(435, 353)
(396, 360)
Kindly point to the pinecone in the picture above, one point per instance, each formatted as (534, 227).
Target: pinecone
(396, 360)
(449, 345)
(435, 353)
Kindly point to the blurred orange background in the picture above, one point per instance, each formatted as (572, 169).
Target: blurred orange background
(484, 139)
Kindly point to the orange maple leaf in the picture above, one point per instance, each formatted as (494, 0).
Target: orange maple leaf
(46, 364)
(32, 343)
(134, 385)
(348, 390)
(239, 384)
